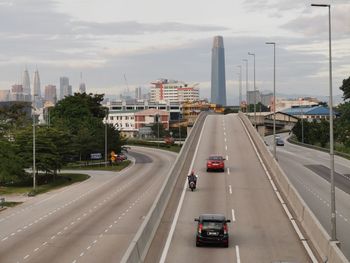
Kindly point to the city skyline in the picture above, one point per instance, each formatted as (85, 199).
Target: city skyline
(64, 38)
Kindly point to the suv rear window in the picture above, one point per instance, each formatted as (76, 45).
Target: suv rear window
(212, 225)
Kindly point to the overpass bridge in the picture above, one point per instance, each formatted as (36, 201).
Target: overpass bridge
(270, 221)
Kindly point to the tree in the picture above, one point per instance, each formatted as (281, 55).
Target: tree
(82, 115)
(11, 165)
(346, 88)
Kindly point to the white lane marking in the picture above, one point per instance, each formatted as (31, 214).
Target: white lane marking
(295, 226)
(224, 133)
(35, 250)
(228, 170)
(227, 157)
(230, 189)
(4, 239)
(74, 261)
(27, 256)
(177, 213)
(237, 255)
(233, 215)
(226, 147)
(82, 254)
(225, 139)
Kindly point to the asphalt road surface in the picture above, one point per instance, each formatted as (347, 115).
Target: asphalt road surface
(309, 172)
(260, 230)
(92, 221)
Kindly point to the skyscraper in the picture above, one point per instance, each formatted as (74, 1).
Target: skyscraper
(64, 87)
(36, 84)
(218, 80)
(26, 83)
(50, 94)
(82, 86)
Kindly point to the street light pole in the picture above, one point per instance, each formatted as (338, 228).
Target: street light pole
(158, 128)
(246, 82)
(240, 86)
(331, 136)
(106, 137)
(179, 129)
(34, 150)
(253, 54)
(274, 97)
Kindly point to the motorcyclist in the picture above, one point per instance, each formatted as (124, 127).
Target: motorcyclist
(192, 178)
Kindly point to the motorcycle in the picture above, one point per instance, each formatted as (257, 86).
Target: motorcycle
(192, 182)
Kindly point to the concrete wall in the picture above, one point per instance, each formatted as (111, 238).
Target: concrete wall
(318, 236)
(139, 246)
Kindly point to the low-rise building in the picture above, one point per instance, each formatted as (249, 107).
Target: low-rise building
(310, 113)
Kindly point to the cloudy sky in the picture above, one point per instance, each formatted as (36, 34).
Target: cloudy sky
(147, 40)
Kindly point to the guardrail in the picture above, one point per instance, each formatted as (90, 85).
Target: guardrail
(139, 246)
(328, 250)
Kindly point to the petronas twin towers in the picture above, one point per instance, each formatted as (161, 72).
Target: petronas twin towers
(36, 83)
(218, 80)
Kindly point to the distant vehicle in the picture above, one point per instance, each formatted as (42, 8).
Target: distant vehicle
(215, 162)
(212, 230)
(169, 140)
(122, 157)
(279, 142)
(278, 136)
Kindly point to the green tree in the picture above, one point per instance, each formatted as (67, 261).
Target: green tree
(82, 115)
(346, 88)
(11, 165)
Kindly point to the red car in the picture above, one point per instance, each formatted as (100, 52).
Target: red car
(216, 162)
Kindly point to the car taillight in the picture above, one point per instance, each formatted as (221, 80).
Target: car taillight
(225, 229)
(200, 227)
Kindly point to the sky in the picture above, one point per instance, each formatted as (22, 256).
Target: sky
(119, 44)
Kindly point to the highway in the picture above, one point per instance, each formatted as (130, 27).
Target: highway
(93, 221)
(260, 230)
(308, 170)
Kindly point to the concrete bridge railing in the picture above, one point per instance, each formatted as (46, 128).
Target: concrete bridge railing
(139, 246)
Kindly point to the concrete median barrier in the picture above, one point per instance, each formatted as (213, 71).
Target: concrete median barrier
(316, 234)
(139, 246)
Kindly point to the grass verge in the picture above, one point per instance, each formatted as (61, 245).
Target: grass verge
(11, 204)
(60, 181)
(118, 167)
(172, 148)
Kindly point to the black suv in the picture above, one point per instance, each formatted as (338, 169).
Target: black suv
(212, 229)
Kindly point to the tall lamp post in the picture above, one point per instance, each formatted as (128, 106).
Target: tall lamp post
(274, 97)
(157, 116)
(240, 86)
(253, 54)
(34, 150)
(246, 82)
(331, 137)
(106, 137)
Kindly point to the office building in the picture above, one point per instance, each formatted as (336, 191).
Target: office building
(50, 94)
(64, 87)
(164, 90)
(26, 83)
(138, 93)
(218, 80)
(266, 99)
(250, 97)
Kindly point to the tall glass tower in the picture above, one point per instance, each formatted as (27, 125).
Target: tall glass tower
(26, 82)
(218, 80)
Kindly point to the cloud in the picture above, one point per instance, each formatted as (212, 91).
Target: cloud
(318, 24)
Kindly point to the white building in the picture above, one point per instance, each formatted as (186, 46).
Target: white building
(123, 121)
(173, 91)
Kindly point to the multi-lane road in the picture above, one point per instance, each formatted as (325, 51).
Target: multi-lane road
(308, 170)
(93, 221)
(260, 230)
